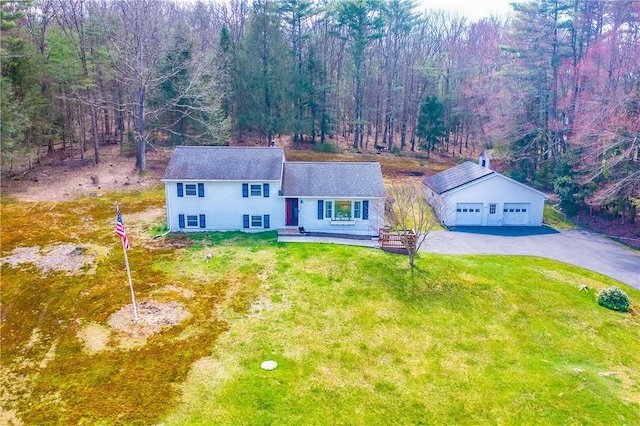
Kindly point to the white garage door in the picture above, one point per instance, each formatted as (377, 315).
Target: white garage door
(469, 214)
(515, 214)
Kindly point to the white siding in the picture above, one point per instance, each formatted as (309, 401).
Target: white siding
(308, 218)
(495, 189)
(223, 205)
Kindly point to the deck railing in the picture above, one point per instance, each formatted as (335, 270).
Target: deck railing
(397, 241)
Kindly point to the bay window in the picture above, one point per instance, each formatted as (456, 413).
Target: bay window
(343, 210)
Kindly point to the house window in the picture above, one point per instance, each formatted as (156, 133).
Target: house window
(256, 221)
(190, 190)
(492, 209)
(256, 190)
(192, 221)
(343, 210)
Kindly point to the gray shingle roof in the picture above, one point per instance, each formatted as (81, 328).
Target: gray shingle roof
(456, 176)
(225, 163)
(332, 179)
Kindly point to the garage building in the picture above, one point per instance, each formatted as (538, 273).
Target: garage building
(472, 195)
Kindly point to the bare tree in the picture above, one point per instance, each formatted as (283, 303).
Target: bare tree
(409, 215)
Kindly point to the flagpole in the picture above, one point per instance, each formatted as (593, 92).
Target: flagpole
(126, 262)
(133, 296)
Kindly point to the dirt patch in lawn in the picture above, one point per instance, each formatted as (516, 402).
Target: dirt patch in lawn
(70, 258)
(153, 317)
(123, 332)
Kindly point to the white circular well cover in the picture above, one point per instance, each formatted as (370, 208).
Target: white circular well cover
(269, 365)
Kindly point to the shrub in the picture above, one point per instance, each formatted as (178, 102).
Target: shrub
(613, 298)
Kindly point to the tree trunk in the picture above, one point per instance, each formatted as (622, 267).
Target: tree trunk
(119, 117)
(83, 134)
(94, 126)
(358, 108)
(140, 129)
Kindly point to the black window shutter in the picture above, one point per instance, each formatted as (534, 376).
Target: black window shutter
(245, 190)
(320, 209)
(180, 190)
(181, 220)
(365, 209)
(201, 190)
(245, 220)
(266, 222)
(265, 190)
(203, 221)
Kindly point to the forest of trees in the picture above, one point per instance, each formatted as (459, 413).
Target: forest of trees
(554, 88)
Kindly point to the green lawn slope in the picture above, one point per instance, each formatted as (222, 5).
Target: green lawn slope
(359, 338)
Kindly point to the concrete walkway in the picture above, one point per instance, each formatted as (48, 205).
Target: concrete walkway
(576, 247)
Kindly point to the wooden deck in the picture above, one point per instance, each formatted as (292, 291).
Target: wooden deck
(397, 241)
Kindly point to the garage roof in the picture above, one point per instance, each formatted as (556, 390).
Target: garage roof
(456, 177)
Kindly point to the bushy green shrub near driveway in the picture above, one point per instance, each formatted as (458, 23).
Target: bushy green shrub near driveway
(614, 298)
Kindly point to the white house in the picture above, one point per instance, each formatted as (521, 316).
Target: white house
(472, 195)
(255, 189)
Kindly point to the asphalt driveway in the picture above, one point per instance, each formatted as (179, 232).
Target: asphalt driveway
(576, 247)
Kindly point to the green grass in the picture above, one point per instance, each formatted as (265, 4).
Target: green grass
(556, 218)
(359, 338)
(463, 340)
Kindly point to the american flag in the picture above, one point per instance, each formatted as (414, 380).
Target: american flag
(120, 229)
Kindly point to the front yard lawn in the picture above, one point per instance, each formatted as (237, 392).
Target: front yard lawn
(358, 337)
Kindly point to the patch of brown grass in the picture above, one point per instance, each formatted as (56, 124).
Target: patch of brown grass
(62, 361)
(393, 165)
